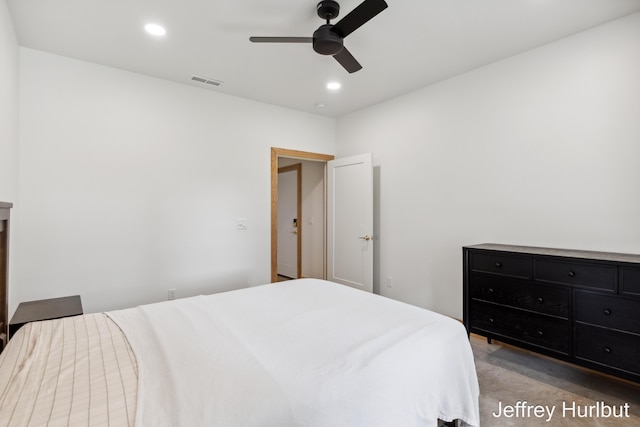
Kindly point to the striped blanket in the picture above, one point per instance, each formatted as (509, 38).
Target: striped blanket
(68, 372)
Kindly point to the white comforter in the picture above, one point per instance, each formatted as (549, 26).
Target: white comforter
(299, 353)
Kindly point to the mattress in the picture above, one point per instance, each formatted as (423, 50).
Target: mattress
(74, 371)
(298, 353)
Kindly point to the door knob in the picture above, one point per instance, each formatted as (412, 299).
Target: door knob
(365, 237)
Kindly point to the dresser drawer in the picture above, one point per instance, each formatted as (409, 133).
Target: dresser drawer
(609, 348)
(608, 311)
(503, 264)
(540, 298)
(630, 281)
(531, 328)
(576, 273)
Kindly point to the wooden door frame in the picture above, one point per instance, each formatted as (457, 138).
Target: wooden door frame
(297, 168)
(293, 154)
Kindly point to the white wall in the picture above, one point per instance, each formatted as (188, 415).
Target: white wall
(131, 185)
(9, 77)
(541, 149)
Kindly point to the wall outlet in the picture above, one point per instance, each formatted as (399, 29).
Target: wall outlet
(389, 282)
(171, 294)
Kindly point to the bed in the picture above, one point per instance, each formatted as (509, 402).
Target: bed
(305, 352)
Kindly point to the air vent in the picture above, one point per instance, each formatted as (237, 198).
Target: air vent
(206, 81)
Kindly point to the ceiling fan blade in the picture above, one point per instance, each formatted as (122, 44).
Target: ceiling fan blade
(359, 16)
(347, 60)
(281, 39)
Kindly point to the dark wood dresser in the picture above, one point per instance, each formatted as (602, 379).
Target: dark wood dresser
(578, 306)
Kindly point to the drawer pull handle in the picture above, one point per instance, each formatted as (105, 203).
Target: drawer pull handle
(491, 320)
(607, 312)
(490, 290)
(607, 350)
(540, 333)
(498, 264)
(540, 300)
(572, 274)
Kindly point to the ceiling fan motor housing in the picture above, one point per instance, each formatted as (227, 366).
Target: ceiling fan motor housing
(326, 42)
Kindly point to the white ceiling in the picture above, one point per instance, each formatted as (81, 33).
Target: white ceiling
(412, 44)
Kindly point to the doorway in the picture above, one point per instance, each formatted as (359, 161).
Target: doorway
(282, 153)
(289, 214)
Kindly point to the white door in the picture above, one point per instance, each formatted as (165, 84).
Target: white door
(350, 221)
(287, 223)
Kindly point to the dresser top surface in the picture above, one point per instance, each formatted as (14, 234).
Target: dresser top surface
(568, 253)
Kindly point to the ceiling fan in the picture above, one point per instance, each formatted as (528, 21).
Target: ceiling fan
(328, 38)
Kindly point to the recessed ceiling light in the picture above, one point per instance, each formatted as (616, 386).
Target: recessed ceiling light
(333, 85)
(155, 29)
